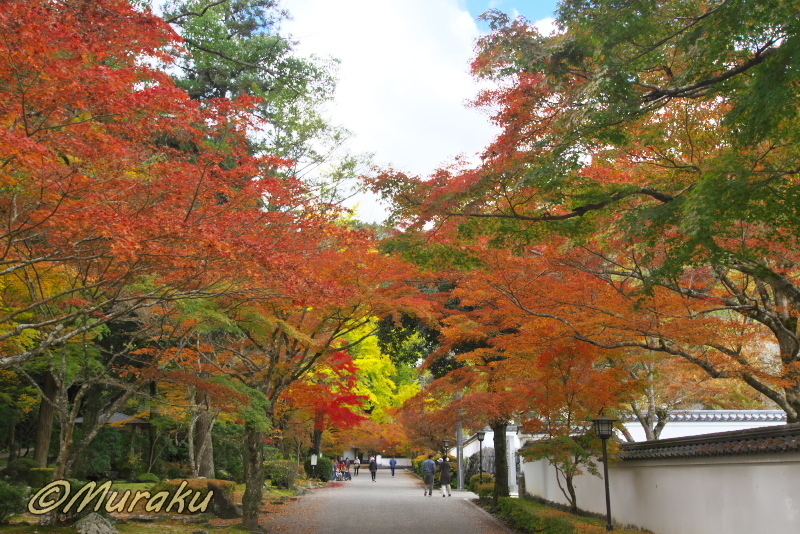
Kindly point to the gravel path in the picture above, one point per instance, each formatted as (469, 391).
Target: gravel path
(390, 505)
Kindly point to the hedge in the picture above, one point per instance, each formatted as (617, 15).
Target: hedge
(528, 515)
(148, 477)
(485, 490)
(323, 470)
(474, 480)
(19, 469)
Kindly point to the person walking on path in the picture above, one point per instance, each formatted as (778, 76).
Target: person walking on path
(444, 476)
(392, 464)
(428, 472)
(373, 467)
(392, 504)
(356, 465)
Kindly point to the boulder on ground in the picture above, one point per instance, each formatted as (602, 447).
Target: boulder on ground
(95, 523)
(221, 505)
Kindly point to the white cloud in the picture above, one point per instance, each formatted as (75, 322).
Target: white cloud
(404, 80)
(546, 26)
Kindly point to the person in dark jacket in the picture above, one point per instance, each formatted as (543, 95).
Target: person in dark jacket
(392, 464)
(373, 467)
(428, 472)
(444, 476)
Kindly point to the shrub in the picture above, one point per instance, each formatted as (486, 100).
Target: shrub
(476, 479)
(39, 477)
(12, 501)
(131, 464)
(282, 473)
(531, 516)
(148, 477)
(173, 470)
(223, 475)
(323, 470)
(19, 470)
(484, 490)
(418, 461)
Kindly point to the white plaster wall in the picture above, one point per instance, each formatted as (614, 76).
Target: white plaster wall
(473, 447)
(383, 461)
(757, 494)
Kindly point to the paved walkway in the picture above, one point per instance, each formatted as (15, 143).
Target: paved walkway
(386, 506)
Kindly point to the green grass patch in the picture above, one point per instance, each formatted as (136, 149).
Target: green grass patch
(18, 529)
(129, 528)
(531, 516)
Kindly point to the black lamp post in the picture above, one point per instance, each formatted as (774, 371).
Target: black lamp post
(604, 426)
(481, 435)
(446, 443)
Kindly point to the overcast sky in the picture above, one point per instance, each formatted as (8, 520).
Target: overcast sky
(404, 81)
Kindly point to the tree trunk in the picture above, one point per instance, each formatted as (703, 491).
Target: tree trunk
(573, 498)
(500, 462)
(254, 476)
(70, 450)
(190, 444)
(319, 425)
(12, 438)
(203, 442)
(44, 426)
(151, 430)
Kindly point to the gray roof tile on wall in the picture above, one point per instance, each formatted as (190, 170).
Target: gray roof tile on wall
(723, 416)
(763, 440)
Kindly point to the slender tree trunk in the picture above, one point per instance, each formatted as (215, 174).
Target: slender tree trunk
(254, 476)
(190, 436)
(627, 434)
(44, 426)
(573, 498)
(13, 450)
(319, 425)
(500, 462)
(204, 444)
(62, 468)
(69, 450)
(151, 431)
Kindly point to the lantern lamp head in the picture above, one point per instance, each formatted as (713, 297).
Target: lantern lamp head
(604, 426)
(481, 435)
